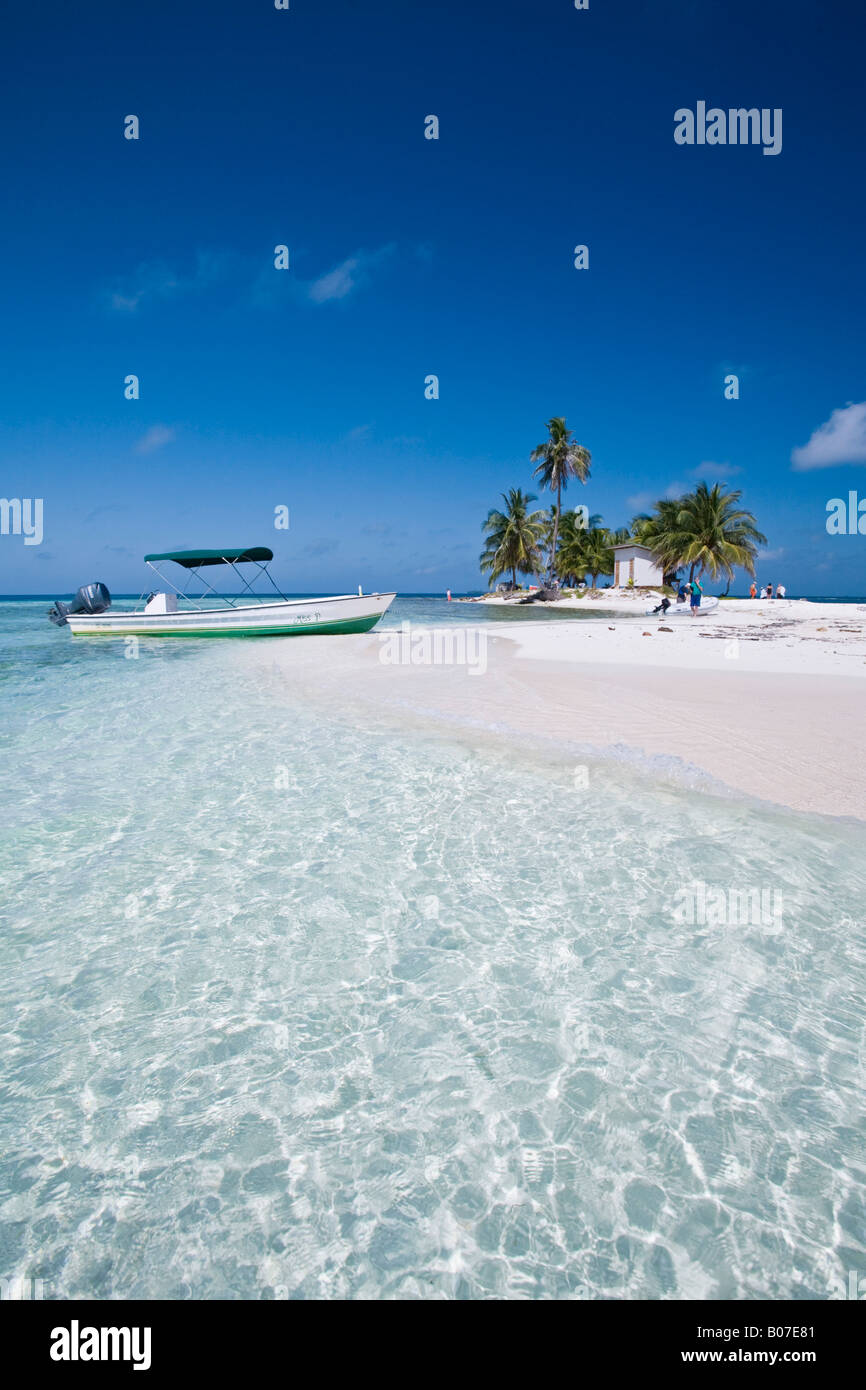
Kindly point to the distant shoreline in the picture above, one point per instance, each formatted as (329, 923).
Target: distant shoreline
(455, 596)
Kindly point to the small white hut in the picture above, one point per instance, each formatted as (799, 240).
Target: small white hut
(636, 563)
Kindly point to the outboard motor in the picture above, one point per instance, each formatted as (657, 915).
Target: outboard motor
(91, 598)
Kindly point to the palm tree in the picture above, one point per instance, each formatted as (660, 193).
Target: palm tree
(705, 529)
(570, 559)
(720, 535)
(598, 553)
(640, 526)
(548, 529)
(512, 538)
(559, 458)
(657, 530)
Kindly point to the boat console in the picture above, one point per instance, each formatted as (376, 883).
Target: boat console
(161, 603)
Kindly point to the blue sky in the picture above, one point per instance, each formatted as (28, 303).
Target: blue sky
(411, 257)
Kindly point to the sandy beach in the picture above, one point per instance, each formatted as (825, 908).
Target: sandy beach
(765, 699)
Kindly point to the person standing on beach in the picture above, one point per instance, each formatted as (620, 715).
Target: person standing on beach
(753, 592)
(696, 597)
(780, 591)
(769, 591)
(763, 593)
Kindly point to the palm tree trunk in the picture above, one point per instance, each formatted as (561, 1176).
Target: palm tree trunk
(555, 531)
(514, 575)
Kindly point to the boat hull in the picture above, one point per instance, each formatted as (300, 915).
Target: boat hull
(293, 618)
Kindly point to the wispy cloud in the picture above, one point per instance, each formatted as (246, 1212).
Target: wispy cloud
(640, 501)
(101, 511)
(155, 438)
(394, 441)
(712, 470)
(705, 472)
(841, 439)
(741, 370)
(257, 281)
(348, 276)
(155, 280)
(337, 283)
(320, 547)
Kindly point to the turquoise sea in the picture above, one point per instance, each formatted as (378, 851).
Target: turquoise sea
(299, 1005)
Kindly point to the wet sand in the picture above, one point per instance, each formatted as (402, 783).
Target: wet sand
(771, 704)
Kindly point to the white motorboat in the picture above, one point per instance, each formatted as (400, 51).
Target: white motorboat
(175, 614)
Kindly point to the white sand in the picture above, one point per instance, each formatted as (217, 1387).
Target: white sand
(768, 698)
(790, 636)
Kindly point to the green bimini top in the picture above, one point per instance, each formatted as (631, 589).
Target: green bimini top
(192, 559)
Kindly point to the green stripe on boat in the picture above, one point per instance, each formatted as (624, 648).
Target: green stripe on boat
(350, 625)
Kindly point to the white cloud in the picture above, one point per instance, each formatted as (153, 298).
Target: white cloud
(347, 276)
(269, 290)
(154, 280)
(705, 471)
(640, 501)
(337, 283)
(841, 439)
(644, 501)
(155, 438)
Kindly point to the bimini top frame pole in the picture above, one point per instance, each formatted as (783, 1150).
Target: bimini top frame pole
(195, 560)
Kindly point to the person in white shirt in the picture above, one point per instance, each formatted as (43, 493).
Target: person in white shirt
(763, 593)
(780, 591)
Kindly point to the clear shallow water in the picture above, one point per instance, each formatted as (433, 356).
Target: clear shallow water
(418, 608)
(288, 1008)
